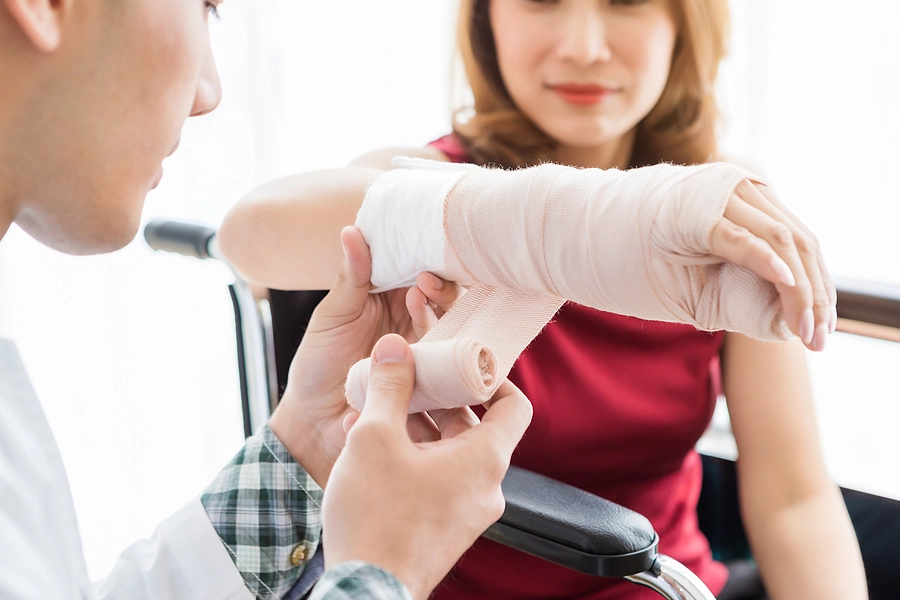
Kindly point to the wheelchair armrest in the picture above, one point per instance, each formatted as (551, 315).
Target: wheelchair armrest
(573, 528)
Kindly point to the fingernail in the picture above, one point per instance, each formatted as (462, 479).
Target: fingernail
(436, 282)
(820, 337)
(832, 322)
(807, 325)
(783, 272)
(390, 349)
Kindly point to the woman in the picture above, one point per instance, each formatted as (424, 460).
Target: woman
(619, 403)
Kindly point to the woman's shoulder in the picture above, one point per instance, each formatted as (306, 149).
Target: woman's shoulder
(745, 161)
(381, 159)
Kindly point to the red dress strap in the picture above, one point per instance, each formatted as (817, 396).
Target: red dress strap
(452, 147)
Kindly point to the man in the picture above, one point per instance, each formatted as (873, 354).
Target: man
(93, 97)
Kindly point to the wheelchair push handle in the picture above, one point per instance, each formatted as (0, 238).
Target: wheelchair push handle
(182, 238)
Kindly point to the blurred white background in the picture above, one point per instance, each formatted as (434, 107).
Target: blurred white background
(133, 356)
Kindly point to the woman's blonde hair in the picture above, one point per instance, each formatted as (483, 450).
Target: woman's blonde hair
(680, 129)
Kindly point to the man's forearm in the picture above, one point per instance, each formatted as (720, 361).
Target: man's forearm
(267, 512)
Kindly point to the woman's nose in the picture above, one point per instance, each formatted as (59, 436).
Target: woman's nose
(583, 35)
(209, 87)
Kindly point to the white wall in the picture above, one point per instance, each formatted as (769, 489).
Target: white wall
(132, 353)
(811, 94)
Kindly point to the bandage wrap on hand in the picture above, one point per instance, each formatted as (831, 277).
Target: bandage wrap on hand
(634, 242)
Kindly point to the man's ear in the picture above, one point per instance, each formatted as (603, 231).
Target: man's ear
(40, 20)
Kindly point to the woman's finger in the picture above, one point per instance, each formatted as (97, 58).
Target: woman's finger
(453, 421)
(422, 429)
(827, 280)
(440, 293)
(820, 295)
(754, 240)
(421, 313)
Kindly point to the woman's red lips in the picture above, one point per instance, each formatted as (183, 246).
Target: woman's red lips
(582, 94)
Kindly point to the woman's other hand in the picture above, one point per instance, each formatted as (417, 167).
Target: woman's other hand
(758, 233)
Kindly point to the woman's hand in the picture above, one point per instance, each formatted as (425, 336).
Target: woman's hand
(429, 300)
(758, 233)
(343, 329)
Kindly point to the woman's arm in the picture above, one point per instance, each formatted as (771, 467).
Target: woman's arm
(286, 233)
(795, 518)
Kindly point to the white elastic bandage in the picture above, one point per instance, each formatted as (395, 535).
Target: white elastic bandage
(632, 242)
(402, 218)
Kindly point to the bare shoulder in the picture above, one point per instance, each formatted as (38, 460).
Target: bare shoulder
(381, 159)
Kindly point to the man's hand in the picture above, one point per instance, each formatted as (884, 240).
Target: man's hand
(414, 508)
(343, 330)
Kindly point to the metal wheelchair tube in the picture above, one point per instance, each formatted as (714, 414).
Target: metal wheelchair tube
(672, 580)
(252, 318)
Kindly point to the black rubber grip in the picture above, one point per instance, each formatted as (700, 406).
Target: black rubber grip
(183, 238)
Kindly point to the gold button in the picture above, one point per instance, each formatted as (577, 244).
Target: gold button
(298, 556)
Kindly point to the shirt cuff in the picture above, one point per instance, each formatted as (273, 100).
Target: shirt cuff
(267, 512)
(184, 559)
(357, 580)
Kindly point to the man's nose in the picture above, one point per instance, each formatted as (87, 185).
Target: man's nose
(209, 87)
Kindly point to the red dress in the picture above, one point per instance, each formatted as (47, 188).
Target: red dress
(619, 404)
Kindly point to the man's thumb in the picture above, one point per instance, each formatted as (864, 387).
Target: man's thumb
(351, 289)
(392, 375)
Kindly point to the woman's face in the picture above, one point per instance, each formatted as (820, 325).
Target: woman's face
(113, 99)
(584, 71)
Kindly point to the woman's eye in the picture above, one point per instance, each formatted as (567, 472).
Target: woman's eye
(212, 9)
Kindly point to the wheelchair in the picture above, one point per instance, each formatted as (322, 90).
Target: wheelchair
(543, 517)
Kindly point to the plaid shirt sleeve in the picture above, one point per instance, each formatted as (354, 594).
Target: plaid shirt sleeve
(359, 581)
(267, 512)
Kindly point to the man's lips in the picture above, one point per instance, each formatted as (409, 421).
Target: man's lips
(157, 177)
(583, 94)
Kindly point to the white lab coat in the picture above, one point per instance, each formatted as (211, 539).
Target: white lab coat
(41, 556)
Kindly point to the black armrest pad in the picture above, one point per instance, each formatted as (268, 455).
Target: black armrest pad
(571, 517)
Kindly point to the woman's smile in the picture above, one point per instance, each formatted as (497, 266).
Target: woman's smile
(581, 94)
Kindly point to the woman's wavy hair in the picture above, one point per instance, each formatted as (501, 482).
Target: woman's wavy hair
(680, 129)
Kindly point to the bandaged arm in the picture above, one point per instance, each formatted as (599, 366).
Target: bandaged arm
(634, 242)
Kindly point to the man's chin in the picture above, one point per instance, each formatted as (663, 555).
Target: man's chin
(97, 238)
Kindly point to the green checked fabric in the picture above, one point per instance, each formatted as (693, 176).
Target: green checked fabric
(359, 581)
(264, 505)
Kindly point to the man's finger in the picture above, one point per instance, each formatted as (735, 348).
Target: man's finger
(453, 421)
(351, 288)
(392, 375)
(503, 425)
